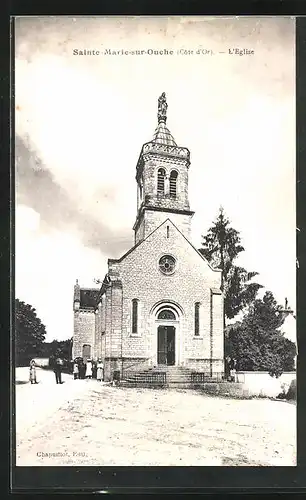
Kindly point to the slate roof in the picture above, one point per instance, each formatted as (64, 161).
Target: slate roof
(88, 298)
(162, 135)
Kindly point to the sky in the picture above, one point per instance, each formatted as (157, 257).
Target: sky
(81, 120)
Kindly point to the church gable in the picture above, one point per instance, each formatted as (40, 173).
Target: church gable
(166, 271)
(167, 240)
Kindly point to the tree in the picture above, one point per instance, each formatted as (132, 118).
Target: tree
(29, 333)
(221, 246)
(238, 291)
(61, 347)
(257, 343)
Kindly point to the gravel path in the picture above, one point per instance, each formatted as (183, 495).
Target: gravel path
(88, 423)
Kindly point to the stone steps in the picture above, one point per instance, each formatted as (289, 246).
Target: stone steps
(174, 385)
(175, 375)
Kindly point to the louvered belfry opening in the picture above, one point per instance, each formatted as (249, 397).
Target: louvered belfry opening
(173, 184)
(161, 181)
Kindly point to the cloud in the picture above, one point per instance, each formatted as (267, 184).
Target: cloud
(47, 265)
(57, 208)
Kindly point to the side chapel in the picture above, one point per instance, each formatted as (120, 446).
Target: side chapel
(160, 303)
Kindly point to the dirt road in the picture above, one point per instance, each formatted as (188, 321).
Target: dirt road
(88, 423)
(35, 404)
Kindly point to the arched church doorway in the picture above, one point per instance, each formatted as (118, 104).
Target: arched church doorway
(166, 337)
(166, 345)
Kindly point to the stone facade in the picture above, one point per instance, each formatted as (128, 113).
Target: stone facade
(85, 333)
(160, 303)
(152, 205)
(154, 218)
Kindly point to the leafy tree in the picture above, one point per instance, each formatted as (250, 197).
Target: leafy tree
(29, 333)
(61, 348)
(221, 246)
(257, 343)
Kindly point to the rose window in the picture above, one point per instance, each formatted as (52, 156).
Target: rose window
(167, 264)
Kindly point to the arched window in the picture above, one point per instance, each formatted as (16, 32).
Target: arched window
(166, 314)
(197, 318)
(161, 174)
(134, 316)
(173, 182)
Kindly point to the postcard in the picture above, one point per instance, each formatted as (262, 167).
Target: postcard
(155, 241)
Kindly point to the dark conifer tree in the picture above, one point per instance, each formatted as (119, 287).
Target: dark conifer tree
(221, 246)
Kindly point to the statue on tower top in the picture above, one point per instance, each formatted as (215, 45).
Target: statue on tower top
(162, 108)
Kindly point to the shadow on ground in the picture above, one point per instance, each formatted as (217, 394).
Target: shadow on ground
(241, 460)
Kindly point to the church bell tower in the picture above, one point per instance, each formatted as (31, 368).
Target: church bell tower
(162, 181)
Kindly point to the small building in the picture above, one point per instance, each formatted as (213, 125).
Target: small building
(41, 362)
(161, 302)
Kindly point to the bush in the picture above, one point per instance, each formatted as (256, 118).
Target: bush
(291, 394)
(288, 393)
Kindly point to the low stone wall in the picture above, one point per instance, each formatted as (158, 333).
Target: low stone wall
(125, 365)
(135, 364)
(43, 362)
(253, 384)
(205, 365)
(230, 389)
(262, 384)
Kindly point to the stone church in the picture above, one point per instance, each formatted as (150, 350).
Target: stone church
(160, 304)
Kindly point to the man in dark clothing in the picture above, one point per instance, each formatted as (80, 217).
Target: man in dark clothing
(82, 369)
(58, 370)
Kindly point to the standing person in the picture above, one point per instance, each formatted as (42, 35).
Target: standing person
(33, 372)
(58, 366)
(100, 370)
(94, 369)
(82, 369)
(116, 374)
(88, 373)
(75, 370)
(232, 367)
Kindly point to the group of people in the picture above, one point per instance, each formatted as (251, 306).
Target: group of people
(57, 365)
(81, 370)
(230, 369)
(90, 369)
